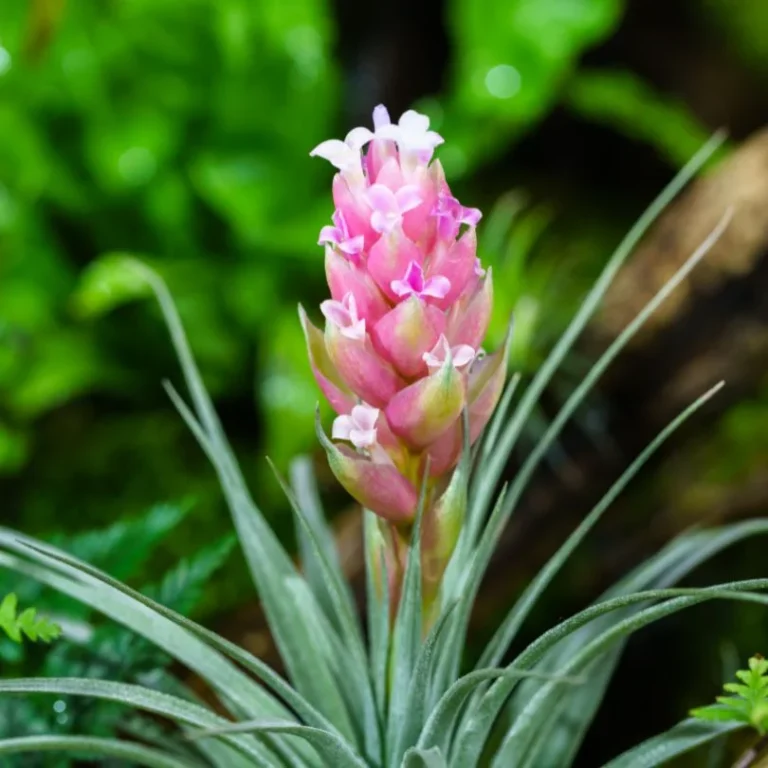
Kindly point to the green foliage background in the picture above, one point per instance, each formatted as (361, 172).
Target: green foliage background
(179, 131)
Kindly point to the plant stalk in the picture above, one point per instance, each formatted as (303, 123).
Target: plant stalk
(754, 754)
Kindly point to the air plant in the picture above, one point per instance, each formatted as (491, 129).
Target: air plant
(416, 398)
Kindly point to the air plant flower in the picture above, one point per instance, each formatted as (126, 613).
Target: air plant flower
(410, 305)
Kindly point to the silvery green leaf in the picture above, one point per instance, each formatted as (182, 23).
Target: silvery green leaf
(176, 709)
(406, 636)
(684, 737)
(522, 736)
(267, 560)
(424, 758)
(332, 749)
(136, 754)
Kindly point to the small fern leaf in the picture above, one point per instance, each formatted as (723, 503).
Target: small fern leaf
(27, 623)
(749, 702)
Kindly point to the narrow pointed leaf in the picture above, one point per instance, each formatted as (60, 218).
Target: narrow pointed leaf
(260, 669)
(76, 582)
(267, 560)
(302, 477)
(674, 562)
(413, 719)
(498, 461)
(378, 609)
(333, 750)
(424, 758)
(684, 737)
(136, 754)
(521, 736)
(175, 709)
(506, 633)
(406, 636)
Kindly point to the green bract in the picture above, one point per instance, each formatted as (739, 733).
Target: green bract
(385, 696)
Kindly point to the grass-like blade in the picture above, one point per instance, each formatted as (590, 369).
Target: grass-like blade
(424, 758)
(522, 735)
(492, 472)
(407, 632)
(681, 556)
(136, 754)
(353, 660)
(57, 571)
(304, 485)
(477, 725)
(684, 737)
(418, 689)
(509, 627)
(268, 562)
(256, 666)
(333, 750)
(499, 643)
(378, 610)
(145, 699)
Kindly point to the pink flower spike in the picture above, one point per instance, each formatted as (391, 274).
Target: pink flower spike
(460, 355)
(414, 284)
(389, 207)
(479, 271)
(338, 235)
(359, 427)
(343, 314)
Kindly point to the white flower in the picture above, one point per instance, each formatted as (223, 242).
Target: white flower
(460, 355)
(343, 314)
(359, 427)
(345, 155)
(412, 134)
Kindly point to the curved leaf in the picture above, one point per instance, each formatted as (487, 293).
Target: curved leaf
(521, 736)
(334, 750)
(472, 739)
(137, 754)
(175, 709)
(424, 758)
(267, 560)
(677, 741)
(259, 668)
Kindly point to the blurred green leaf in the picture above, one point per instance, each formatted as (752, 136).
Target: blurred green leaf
(512, 58)
(107, 283)
(624, 101)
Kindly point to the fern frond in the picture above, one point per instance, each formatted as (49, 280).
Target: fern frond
(27, 623)
(749, 702)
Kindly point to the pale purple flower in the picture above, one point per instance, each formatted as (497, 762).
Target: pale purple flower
(343, 314)
(451, 214)
(338, 235)
(380, 118)
(460, 355)
(358, 427)
(389, 207)
(413, 137)
(414, 284)
(479, 271)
